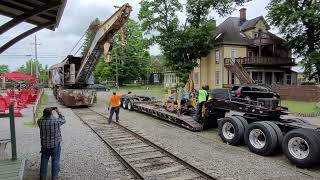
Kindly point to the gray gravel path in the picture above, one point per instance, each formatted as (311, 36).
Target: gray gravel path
(83, 157)
(206, 150)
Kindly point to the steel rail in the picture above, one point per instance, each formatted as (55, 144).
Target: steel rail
(133, 170)
(174, 157)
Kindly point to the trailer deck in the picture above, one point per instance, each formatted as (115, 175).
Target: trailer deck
(158, 111)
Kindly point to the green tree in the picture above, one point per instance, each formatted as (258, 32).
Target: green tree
(91, 32)
(43, 70)
(183, 43)
(299, 22)
(4, 68)
(133, 59)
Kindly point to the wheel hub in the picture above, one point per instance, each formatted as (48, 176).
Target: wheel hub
(257, 138)
(228, 130)
(298, 147)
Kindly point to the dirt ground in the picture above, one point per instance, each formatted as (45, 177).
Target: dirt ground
(206, 150)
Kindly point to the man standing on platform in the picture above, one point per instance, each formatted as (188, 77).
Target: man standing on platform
(114, 103)
(50, 135)
(202, 98)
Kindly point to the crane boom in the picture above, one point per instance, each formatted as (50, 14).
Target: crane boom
(101, 42)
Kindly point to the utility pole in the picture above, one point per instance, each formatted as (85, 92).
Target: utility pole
(116, 55)
(31, 66)
(36, 70)
(117, 76)
(36, 55)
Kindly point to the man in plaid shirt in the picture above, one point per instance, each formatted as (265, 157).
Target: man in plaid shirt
(50, 135)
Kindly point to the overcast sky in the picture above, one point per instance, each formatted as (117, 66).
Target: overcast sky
(55, 45)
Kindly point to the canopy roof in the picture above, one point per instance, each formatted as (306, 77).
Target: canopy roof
(41, 13)
(15, 75)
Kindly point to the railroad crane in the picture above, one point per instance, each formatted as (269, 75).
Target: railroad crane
(71, 79)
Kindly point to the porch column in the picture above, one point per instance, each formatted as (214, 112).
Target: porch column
(263, 77)
(272, 78)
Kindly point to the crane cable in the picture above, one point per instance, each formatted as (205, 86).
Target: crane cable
(78, 43)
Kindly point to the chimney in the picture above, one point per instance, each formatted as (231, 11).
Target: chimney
(243, 15)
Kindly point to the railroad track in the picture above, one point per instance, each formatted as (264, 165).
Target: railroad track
(144, 159)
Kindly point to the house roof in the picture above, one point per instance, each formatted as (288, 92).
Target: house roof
(252, 23)
(231, 31)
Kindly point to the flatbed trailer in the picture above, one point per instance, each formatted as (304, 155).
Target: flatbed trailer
(262, 126)
(155, 108)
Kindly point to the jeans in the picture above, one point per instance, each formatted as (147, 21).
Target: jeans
(54, 153)
(198, 111)
(112, 111)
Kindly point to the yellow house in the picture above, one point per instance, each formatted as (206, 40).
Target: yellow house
(260, 56)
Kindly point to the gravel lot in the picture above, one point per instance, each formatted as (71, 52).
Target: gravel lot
(207, 151)
(83, 155)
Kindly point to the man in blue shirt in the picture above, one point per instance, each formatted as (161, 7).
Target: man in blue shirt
(50, 136)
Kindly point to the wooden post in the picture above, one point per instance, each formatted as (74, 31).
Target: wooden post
(13, 134)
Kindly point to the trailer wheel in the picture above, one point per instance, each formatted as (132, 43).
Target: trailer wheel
(231, 130)
(243, 121)
(278, 132)
(124, 104)
(301, 147)
(261, 138)
(129, 105)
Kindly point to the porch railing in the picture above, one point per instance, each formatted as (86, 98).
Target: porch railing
(262, 61)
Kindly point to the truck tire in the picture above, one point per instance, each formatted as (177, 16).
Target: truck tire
(124, 104)
(243, 121)
(129, 105)
(260, 138)
(231, 130)
(278, 132)
(302, 147)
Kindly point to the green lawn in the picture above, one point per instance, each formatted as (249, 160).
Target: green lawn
(42, 104)
(158, 90)
(300, 106)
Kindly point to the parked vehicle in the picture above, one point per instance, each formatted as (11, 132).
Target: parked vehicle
(100, 87)
(252, 92)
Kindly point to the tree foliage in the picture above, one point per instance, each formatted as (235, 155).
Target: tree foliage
(133, 58)
(298, 21)
(90, 33)
(183, 43)
(43, 70)
(4, 68)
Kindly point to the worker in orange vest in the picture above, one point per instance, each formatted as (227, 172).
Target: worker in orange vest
(114, 103)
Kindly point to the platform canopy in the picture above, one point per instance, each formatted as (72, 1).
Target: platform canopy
(41, 13)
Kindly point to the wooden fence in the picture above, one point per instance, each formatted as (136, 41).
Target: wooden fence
(36, 105)
(298, 93)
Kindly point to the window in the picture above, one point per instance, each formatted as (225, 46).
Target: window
(233, 54)
(196, 78)
(245, 88)
(257, 76)
(233, 81)
(217, 56)
(250, 53)
(217, 77)
(288, 79)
